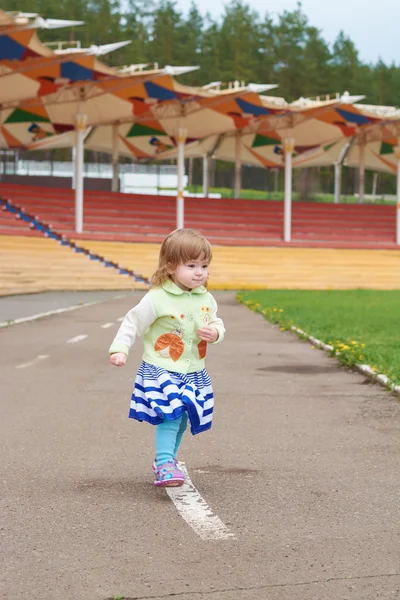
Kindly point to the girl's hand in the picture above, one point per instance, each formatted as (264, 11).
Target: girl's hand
(118, 359)
(208, 334)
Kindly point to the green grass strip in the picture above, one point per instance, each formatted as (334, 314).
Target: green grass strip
(363, 326)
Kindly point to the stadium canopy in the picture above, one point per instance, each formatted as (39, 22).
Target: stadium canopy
(18, 38)
(273, 138)
(313, 133)
(13, 21)
(63, 97)
(372, 146)
(139, 116)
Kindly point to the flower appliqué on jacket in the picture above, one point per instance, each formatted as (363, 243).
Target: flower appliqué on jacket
(205, 317)
(170, 345)
(205, 314)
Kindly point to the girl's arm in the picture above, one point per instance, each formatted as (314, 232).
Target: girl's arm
(135, 323)
(216, 323)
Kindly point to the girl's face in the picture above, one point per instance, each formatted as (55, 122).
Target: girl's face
(191, 274)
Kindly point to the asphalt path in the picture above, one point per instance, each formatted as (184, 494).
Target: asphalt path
(301, 467)
(28, 305)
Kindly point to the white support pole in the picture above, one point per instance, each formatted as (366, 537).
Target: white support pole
(361, 175)
(287, 225)
(181, 139)
(205, 176)
(375, 184)
(73, 183)
(81, 120)
(338, 182)
(115, 159)
(190, 175)
(238, 164)
(397, 154)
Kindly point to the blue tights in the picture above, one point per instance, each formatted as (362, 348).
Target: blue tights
(169, 435)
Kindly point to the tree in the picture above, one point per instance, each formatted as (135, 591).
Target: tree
(345, 64)
(291, 40)
(136, 22)
(240, 41)
(316, 68)
(267, 53)
(210, 58)
(190, 42)
(385, 82)
(165, 33)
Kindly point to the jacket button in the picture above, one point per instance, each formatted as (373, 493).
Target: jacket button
(189, 342)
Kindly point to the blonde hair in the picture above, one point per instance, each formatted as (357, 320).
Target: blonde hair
(181, 246)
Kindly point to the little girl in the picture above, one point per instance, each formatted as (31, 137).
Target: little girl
(178, 318)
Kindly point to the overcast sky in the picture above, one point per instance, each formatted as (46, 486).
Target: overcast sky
(374, 27)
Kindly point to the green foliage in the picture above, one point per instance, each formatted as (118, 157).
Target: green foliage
(316, 69)
(345, 62)
(165, 33)
(191, 35)
(211, 51)
(242, 45)
(360, 325)
(240, 40)
(291, 40)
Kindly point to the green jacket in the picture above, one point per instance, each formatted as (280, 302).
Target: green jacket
(168, 318)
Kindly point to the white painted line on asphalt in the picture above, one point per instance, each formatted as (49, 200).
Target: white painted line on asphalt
(195, 511)
(33, 362)
(120, 319)
(107, 325)
(77, 338)
(45, 314)
(57, 311)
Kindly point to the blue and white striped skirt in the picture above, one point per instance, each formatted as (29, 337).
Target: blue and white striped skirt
(159, 394)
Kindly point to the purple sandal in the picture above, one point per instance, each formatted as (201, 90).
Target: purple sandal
(169, 475)
(154, 465)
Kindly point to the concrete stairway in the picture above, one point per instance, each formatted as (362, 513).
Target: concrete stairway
(31, 264)
(235, 267)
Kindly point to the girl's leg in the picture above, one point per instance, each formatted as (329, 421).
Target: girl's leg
(166, 439)
(181, 431)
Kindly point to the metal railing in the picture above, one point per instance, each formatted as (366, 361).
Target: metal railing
(65, 169)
